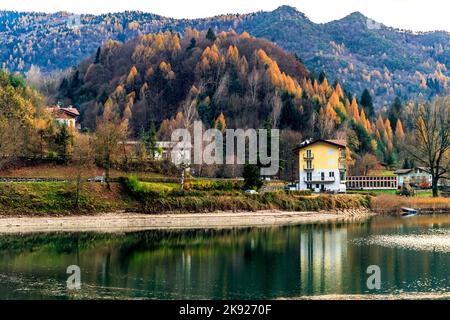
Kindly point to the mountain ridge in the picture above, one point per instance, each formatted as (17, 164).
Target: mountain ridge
(388, 61)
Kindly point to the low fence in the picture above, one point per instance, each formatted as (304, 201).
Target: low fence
(12, 179)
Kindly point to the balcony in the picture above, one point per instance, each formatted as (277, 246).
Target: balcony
(308, 155)
(319, 179)
(308, 168)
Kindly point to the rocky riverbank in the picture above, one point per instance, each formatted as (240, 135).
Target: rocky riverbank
(126, 222)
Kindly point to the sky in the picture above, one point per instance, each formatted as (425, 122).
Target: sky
(417, 15)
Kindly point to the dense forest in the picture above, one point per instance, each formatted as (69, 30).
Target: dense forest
(227, 80)
(357, 51)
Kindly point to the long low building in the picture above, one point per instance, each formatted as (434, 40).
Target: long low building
(372, 182)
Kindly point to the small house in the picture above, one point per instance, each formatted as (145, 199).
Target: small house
(67, 116)
(419, 176)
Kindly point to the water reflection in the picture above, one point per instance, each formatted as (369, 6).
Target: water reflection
(239, 263)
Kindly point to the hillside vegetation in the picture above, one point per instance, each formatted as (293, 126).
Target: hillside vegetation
(227, 80)
(356, 50)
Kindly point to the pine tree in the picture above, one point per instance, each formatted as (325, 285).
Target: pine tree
(210, 35)
(97, 55)
(367, 104)
(192, 44)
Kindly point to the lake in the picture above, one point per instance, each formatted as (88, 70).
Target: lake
(413, 255)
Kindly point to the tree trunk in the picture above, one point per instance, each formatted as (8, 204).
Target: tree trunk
(434, 186)
(182, 178)
(108, 165)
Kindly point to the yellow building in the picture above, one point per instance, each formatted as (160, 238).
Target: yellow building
(322, 165)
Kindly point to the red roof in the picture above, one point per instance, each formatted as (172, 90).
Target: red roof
(69, 111)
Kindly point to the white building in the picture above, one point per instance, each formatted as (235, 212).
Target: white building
(414, 177)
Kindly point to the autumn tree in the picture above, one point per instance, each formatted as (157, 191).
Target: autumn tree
(430, 139)
(399, 131)
(365, 164)
(110, 132)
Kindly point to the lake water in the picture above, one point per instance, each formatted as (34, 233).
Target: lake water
(252, 263)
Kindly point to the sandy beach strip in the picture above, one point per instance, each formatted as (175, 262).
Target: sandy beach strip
(125, 222)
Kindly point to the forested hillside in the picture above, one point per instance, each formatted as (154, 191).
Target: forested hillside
(232, 80)
(355, 50)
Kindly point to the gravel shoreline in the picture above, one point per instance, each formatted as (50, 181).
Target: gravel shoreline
(126, 222)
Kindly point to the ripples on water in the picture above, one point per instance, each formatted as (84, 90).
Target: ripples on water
(437, 240)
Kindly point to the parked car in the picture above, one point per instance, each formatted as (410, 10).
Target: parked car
(251, 191)
(290, 187)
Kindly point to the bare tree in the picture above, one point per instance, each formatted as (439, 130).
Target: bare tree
(11, 141)
(276, 111)
(253, 83)
(189, 108)
(430, 141)
(366, 163)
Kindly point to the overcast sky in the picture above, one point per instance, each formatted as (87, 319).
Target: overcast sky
(418, 15)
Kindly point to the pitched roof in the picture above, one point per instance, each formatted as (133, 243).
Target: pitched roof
(403, 171)
(406, 171)
(70, 111)
(336, 143)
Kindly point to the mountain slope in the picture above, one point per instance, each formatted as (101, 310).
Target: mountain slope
(355, 50)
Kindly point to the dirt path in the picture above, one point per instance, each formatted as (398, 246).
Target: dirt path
(118, 221)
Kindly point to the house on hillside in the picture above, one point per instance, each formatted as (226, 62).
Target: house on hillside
(67, 116)
(322, 165)
(164, 150)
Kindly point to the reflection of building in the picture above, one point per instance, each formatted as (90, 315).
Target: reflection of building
(322, 165)
(323, 254)
(372, 182)
(67, 116)
(415, 177)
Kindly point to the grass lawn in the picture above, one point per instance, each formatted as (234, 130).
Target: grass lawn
(67, 172)
(159, 186)
(374, 192)
(43, 198)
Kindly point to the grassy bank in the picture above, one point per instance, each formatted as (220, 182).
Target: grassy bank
(199, 196)
(58, 198)
(227, 196)
(389, 203)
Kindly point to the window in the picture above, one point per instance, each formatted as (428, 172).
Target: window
(309, 186)
(308, 176)
(317, 186)
(309, 164)
(331, 174)
(308, 153)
